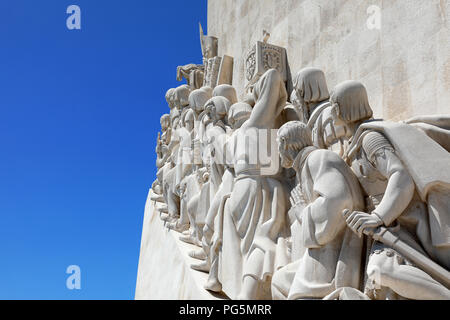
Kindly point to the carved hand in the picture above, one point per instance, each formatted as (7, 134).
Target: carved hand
(361, 222)
(295, 213)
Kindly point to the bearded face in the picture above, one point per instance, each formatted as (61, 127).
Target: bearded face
(210, 111)
(283, 149)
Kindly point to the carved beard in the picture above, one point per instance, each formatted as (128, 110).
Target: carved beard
(286, 159)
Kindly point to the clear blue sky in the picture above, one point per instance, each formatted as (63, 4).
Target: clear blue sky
(79, 117)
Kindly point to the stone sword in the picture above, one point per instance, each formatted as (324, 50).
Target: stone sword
(385, 236)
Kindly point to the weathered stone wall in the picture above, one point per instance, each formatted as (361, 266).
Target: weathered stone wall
(405, 64)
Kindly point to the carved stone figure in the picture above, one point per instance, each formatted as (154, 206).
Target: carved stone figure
(193, 73)
(212, 141)
(213, 229)
(179, 99)
(329, 253)
(217, 70)
(407, 191)
(310, 91)
(197, 101)
(311, 199)
(254, 220)
(183, 169)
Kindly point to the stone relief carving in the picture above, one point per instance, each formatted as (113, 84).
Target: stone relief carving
(312, 199)
(193, 73)
(262, 57)
(250, 64)
(217, 70)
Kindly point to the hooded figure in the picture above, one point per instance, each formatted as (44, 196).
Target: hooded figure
(310, 91)
(226, 91)
(213, 229)
(254, 216)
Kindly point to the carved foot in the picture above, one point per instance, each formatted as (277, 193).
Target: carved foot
(163, 208)
(198, 254)
(188, 239)
(177, 227)
(164, 216)
(157, 198)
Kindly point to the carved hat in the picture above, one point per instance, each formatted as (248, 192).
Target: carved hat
(227, 91)
(351, 101)
(310, 84)
(199, 97)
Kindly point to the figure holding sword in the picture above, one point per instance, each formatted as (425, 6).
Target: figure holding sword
(407, 195)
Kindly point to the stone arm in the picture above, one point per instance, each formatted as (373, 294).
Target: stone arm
(161, 152)
(270, 101)
(165, 137)
(400, 186)
(322, 220)
(162, 157)
(173, 145)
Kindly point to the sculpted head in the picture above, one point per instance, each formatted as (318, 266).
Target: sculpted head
(188, 120)
(292, 137)
(181, 96)
(198, 98)
(310, 86)
(238, 114)
(165, 121)
(202, 175)
(350, 106)
(217, 108)
(227, 91)
(170, 97)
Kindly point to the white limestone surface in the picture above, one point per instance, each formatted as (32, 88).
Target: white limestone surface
(403, 61)
(164, 271)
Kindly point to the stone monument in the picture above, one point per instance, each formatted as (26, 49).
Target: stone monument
(332, 184)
